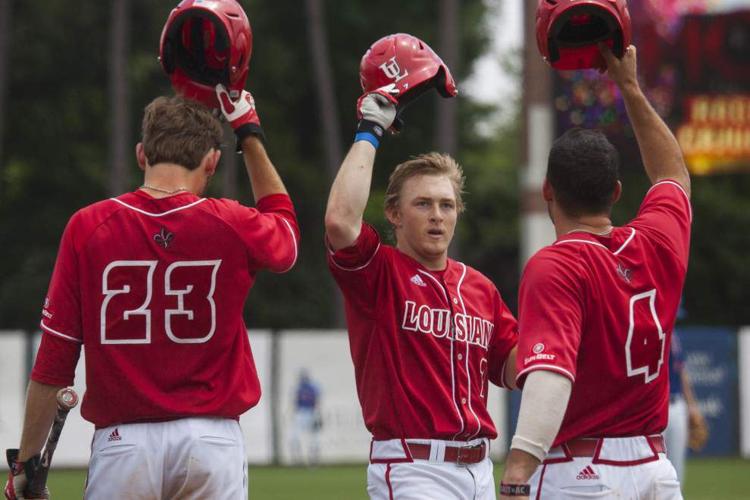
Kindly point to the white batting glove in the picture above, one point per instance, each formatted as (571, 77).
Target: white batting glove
(376, 112)
(241, 114)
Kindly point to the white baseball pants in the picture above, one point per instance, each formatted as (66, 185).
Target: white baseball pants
(676, 435)
(396, 479)
(189, 458)
(622, 468)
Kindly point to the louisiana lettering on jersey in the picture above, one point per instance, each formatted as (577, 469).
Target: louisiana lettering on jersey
(437, 322)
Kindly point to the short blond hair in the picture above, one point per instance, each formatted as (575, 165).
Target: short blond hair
(437, 164)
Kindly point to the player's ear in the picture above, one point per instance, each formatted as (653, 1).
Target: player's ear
(617, 192)
(393, 214)
(211, 161)
(140, 156)
(547, 192)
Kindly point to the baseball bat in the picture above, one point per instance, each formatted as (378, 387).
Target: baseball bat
(67, 399)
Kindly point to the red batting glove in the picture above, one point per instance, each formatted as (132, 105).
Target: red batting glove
(241, 114)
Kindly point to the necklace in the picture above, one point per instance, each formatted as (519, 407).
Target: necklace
(165, 191)
(603, 233)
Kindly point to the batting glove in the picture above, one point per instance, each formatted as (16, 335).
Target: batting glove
(19, 475)
(241, 114)
(376, 112)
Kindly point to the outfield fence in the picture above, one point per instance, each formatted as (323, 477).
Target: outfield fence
(718, 360)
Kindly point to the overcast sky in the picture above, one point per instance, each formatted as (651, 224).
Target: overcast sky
(488, 83)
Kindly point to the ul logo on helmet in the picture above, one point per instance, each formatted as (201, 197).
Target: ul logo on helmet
(392, 70)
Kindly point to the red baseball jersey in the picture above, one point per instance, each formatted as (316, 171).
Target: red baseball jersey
(424, 343)
(154, 290)
(600, 310)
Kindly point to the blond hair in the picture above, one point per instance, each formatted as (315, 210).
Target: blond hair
(437, 164)
(176, 130)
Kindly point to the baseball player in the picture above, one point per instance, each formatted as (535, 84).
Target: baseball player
(152, 284)
(427, 333)
(686, 427)
(596, 313)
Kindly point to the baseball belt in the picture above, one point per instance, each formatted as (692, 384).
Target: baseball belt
(460, 455)
(587, 447)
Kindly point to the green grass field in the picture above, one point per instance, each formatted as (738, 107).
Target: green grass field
(707, 479)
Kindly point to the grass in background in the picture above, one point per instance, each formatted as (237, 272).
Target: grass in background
(707, 479)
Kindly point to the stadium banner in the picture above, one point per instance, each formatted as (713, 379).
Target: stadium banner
(711, 362)
(13, 374)
(743, 340)
(74, 448)
(693, 66)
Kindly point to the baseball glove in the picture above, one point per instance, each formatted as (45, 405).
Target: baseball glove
(697, 431)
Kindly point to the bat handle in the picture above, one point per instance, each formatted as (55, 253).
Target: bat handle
(67, 399)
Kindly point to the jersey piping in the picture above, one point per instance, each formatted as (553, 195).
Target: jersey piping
(354, 268)
(682, 189)
(632, 234)
(162, 214)
(61, 335)
(294, 242)
(546, 367)
(453, 370)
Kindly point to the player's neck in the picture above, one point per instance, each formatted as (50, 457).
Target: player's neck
(430, 263)
(168, 179)
(600, 225)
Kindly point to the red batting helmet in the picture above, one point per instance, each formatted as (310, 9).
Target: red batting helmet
(568, 31)
(204, 43)
(407, 63)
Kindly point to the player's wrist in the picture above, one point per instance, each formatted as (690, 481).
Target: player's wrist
(247, 130)
(509, 489)
(369, 131)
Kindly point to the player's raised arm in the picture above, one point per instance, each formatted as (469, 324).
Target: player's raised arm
(660, 151)
(351, 188)
(243, 117)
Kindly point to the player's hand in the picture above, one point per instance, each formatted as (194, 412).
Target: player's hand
(18, 477)
(376, 111)
(697, 430)
(241, 114)
(622, 71)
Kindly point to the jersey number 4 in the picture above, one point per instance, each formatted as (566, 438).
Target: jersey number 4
(644, 349)
(128, 289)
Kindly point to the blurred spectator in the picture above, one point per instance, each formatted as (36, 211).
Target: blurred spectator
(686, 426)
(305, 440)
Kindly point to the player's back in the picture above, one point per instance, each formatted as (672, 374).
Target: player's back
(618, 296)
(162, 286)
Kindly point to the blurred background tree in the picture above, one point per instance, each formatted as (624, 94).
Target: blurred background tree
(77, 77)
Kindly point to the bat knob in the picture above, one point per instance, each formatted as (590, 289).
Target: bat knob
(67, 398)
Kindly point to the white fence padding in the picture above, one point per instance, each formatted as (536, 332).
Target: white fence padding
(325, 356)
(13, 392)
(256, 423)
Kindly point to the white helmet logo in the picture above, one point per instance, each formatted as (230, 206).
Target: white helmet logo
(392, 70)
(538, 348)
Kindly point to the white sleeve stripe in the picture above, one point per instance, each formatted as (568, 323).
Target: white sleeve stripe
(682, 189)
(626, 241)
(294, 244)
(545, 367)
(58, 334)
(333, 259)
